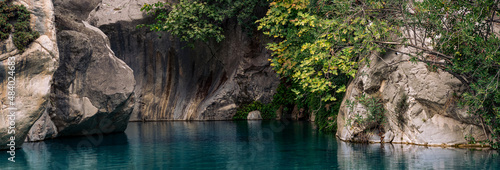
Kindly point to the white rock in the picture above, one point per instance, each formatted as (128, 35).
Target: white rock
(254, 115)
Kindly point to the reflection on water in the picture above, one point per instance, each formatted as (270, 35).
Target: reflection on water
(230, 145)
(68, 153)
(400, 156)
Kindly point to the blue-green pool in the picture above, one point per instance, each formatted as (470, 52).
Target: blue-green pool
(236, 145)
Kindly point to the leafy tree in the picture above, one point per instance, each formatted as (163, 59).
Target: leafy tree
(463, 36)
(193, 20)
(318, 40)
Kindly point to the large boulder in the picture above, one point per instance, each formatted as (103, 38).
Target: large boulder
(34, 69)
(175, 82)
(419, 103)
(92, 92)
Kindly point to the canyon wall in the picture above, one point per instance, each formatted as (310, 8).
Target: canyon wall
(177, 82)
(98, 71)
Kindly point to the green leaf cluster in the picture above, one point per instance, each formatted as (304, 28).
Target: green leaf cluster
(288, 96)
(375, 111)
(199, 19)
(15, 19)
(318, 40)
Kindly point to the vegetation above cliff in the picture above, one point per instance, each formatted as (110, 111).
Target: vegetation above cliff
(15, 19)
(319, 42)
(200, 19)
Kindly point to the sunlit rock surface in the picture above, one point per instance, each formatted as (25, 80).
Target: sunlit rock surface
(428, 115)
(34, 70)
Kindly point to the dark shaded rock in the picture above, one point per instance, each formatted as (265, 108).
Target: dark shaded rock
(92, 90)
(175, 82)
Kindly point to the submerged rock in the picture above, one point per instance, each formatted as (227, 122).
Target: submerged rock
(419, 103)
(34, 69)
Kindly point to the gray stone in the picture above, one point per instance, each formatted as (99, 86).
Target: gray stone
(113, 11)
(92, 90)
(431, 115)
(77, 10)
(176, 82)
(254, 115)
(34, 69)
(43, 129)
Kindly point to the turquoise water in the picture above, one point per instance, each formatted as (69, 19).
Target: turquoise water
(236, 145)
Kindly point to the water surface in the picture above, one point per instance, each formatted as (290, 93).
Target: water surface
(236, 145)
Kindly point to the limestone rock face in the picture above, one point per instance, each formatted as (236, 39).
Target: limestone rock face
(75, 9)
(254, 115)
(419, 103)
(176, 82)
(34, 69)
(92, 90)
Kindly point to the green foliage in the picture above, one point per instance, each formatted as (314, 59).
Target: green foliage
(319, 40)
(15, 19)
(470, 48)
(470, 139)
(199, 19)
(312, 103)
(284, 94)
(268, 111)
(375, 111)
(326, 112)
(326, 116)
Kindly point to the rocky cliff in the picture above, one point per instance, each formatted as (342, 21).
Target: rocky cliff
(419, 105)
(98, 71)
(175, 82)
(66, 83)
(92, 90)
(34, 70)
